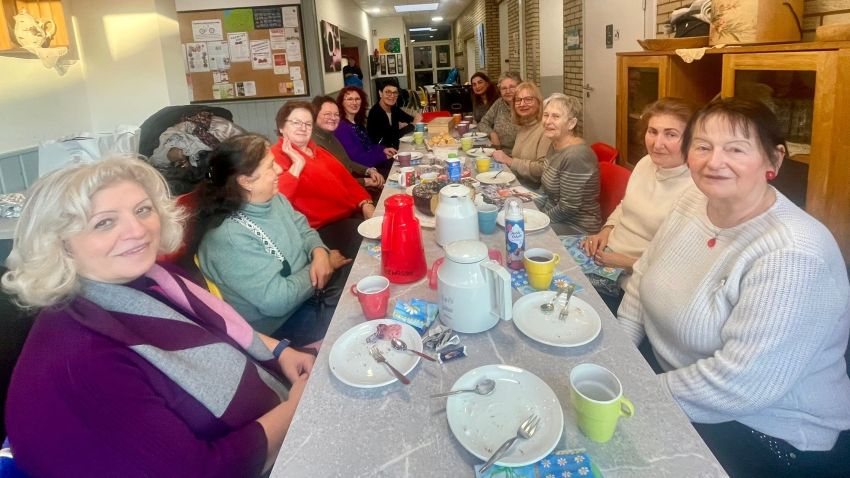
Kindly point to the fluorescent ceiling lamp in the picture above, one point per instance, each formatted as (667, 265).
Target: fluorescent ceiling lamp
(423, 29)
(416, 7)
(376, 10)
(436, 19)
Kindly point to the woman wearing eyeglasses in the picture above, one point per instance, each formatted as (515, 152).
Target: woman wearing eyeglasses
(529, 152)
(498, 120)
(353, 135)
(387, 120)
(316, 183)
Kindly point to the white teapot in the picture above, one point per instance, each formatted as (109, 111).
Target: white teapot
(456, 216)
(474, 291)
(31, 32)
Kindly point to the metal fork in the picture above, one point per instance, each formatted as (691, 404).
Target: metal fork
(379, 357)
(525, 431)
(565, 312)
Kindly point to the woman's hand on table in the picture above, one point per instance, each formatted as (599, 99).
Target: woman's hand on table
(296, 365)
(595, 242)
(390, 152)
(337, 259)
(500, 157)
(374, 179)
(320, 268)
(368, 209)
(614, 259)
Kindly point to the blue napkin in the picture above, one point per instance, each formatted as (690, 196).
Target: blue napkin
(373, 248)
(558, 464)
(519, 281)
(418, 313)
(588, 266)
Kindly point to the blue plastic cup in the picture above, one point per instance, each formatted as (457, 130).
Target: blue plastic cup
(487, 218)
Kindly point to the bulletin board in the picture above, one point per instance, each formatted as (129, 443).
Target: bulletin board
(244, 53)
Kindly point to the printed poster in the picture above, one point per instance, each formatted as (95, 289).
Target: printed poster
(292, 34)
(391, 64)
(221, 77)
(239, 20)
(197, 58)
(267, 17)
(261, 55)
(298, 86)
(207, 30)
(290, 17)
(389, 45)
(277, 38)
(295, 72)
(399, 62)
(293, 50)
(222, 91)
(280, 65)
(240, 50)
(246, 88)
(219, 55)
(285, 88)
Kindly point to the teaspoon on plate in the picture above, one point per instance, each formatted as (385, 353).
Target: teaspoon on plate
(399, 344)
(484, 387)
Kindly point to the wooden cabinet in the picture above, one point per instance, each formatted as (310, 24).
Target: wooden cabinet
(799, 81)
(41, 9)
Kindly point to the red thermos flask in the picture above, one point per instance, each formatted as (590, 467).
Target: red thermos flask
(402, 255)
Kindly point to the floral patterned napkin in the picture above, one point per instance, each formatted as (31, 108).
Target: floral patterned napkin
(558, 464)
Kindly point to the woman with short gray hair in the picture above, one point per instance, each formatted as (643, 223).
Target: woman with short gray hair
(498, 120)
(571, 175)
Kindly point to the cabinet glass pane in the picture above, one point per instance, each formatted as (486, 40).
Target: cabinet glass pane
(643, 90)
(790, 94)
(422, 57)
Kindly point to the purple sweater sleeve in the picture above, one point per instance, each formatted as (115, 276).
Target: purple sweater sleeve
(368, 155)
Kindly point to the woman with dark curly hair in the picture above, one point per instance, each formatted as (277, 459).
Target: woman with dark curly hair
(484, 94)
(353, 135)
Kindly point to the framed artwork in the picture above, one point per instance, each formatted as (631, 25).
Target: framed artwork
(479, 36)
(331, 47)
(399, 63)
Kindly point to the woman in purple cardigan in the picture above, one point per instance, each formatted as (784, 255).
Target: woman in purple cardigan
(131, 369)
(353, 135)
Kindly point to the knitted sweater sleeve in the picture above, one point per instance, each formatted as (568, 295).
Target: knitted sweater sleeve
(573, 178)
(787, 305)
(630, 314)
(310, 236)
(489, 119)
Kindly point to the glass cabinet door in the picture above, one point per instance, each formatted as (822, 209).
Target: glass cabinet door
(641, 82)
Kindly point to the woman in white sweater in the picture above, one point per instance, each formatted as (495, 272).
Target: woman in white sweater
(745, 301)
(657, 181)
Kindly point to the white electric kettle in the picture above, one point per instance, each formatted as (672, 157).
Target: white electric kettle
(474, 291)
(456, 216)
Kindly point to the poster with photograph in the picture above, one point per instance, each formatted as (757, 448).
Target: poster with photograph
(246, 88)
(383, 64)
(391, 64)
(280, 65)
(331, 48)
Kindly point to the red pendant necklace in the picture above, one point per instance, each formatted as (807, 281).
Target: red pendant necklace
(712, 241)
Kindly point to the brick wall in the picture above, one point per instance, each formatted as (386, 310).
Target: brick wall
(573, 59)
(815, 14)
(478, 11)
(532, 41)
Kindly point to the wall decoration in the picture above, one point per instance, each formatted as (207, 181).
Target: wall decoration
(573, 35)
(479, 38)
(331, 52)
(399, 60)
(389, 45)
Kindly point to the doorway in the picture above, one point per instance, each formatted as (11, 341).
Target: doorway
(627, 21)
(432, 62)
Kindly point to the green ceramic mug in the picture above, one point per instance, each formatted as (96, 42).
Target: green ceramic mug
(597, 396)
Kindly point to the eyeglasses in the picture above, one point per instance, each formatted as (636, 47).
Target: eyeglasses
(507, 88)
(297, 124)
(391, 93)
(329, 115)
(528, 100)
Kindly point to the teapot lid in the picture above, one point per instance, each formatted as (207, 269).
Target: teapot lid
(466, 252)
(454, 191)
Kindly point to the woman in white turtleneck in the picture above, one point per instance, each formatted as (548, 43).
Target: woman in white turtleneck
(657, 181)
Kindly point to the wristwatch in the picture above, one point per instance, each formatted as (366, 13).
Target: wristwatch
(278, 349)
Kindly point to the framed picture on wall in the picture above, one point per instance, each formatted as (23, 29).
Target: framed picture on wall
(399, 62)
(391, 64)
(331, 47)
(383, 64)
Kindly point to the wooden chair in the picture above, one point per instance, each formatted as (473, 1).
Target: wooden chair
(612, 186)
(605, 153)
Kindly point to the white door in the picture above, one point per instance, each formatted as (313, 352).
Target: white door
(471, 58)
(600, 63)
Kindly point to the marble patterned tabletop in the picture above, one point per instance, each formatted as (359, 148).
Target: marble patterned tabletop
(398, 431)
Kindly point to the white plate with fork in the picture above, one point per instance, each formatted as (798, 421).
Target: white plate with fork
(352, 364)
(581, 325)
(481, 423)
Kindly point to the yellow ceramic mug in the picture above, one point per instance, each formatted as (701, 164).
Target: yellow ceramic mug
(483, 164)
(540, 266)
(597, 396)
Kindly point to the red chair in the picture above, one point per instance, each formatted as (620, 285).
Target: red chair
(429, 115)
(188, 201)
(605, 153)
(612, 186)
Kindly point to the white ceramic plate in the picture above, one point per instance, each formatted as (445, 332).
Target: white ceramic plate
(534, 220)
(414, 156)
(581, 326)
(506, 177)
(481, 152)
(393, 177)
(475, 135)
(351, 363)
(482, 423)
(371, 228)
(408, 138)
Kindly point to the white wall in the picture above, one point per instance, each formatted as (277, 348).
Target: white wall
(347, 16)
(391, 27)
(551, 46)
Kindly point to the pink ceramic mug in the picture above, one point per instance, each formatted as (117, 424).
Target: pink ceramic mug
(373, 292)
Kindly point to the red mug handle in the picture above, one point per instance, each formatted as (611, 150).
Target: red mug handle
(495, 255)
(432, 274)
(354, 290)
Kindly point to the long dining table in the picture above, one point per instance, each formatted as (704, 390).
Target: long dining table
(399, 431)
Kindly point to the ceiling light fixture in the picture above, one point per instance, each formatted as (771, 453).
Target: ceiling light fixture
(436, 19)
(376, 10)
(416, 7)
(423, 29)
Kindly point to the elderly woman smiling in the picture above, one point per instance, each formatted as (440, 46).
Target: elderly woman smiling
(571, 175)
(130, 369)
(745, 301)
(529, 152)
(498, 120)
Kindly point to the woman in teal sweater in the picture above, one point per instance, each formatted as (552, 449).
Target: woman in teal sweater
(269, 264)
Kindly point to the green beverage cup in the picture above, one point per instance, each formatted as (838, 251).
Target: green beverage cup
(419, 137)
(597, 396)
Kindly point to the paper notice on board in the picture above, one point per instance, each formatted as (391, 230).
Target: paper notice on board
(293, 50)
(261, 55)
(219, 55)
(246, 88)
(299, 87)
(221, 77)
(295, 72)
(292, 34)
(222, 91)
(290, 16)
(281, 67)
(240, 50)
(197, 58)
(277, 38)
(207, 30)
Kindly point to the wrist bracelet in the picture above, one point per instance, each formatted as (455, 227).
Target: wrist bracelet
(278, 349)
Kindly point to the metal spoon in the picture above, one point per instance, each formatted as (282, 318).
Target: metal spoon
(484, 387)
(565, 312)
(550, 306)
(399, 344)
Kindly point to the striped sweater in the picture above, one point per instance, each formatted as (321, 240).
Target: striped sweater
(753, 329)
(571, 183)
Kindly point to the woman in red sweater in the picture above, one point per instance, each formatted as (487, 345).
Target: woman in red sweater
(316, 183)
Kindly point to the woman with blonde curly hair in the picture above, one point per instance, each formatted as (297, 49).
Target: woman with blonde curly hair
(529, 152)
(128, 360)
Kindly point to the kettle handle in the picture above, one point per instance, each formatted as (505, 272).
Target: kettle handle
(500, 287)
(432, 274)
